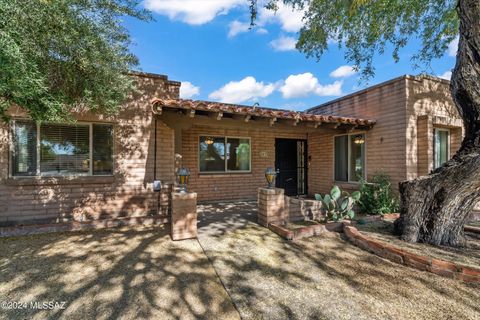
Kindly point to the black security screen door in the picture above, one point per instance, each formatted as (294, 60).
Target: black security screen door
(290, 161)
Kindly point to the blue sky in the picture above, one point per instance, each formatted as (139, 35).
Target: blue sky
(207, 46)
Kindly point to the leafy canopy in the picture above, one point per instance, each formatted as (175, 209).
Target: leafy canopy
(368, 27)
(60, 54)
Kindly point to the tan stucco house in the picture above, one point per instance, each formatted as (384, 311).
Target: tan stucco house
(104, 167)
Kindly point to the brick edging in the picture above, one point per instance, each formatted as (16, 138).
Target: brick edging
(419, 262)
(472, 229)
(307, 231)
(78, 226)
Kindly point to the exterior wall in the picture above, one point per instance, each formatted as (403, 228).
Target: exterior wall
(385, 144)
(239, 185)
(128, 192)
(429, 106)
(407, 110)
(229, 186)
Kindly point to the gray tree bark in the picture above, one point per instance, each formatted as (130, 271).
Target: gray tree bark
(434, 207)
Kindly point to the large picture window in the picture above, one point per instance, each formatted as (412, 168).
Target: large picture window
(224, 154)
(61, 149)
(349, 157)
(442, 146)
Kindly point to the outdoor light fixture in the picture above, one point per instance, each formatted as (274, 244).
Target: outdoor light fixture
(270, 175)
(209, 140)
(183, 174)
(359, 139)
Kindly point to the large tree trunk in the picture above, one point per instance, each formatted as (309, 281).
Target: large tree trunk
(434, 208)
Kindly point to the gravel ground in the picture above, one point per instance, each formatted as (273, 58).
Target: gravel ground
(469, 255)
(128, 273)
(320, 277)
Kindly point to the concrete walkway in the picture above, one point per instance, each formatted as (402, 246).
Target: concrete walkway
(320, 277)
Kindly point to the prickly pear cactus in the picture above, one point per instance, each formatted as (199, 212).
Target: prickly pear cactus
(339, 204)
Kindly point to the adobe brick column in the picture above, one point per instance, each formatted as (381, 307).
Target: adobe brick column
(184, 215)
(271, 206)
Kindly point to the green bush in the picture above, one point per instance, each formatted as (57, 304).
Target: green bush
(377, 196)
(339, 204)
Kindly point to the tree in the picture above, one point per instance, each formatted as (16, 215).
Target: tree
(59, 54)
(434, 207)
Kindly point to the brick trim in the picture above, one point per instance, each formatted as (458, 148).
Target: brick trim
(419, 262)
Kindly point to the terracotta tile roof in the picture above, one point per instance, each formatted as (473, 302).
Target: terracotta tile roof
(210, 106)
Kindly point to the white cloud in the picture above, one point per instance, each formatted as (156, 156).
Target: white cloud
(446, 75)
(188, 90)
(453, 47)
(284, 43)
(301, 85)
(236, 27)
(262, 31)
(194, 12)
(343, 72)
(291, 20)
(243, 90)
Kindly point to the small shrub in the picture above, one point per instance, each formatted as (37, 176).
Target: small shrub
(377, 196)
(339, 204)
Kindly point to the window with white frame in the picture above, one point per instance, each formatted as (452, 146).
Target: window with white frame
(224, 154)
(441, 146)
(349, 157)
(61, 149)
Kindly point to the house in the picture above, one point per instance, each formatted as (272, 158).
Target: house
(103, 167)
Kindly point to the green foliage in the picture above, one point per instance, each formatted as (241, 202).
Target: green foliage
(339, 204)
(377, 196)
(366, 28)
(59, 54)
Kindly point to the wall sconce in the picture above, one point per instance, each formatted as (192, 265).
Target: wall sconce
(209, 140)
(359, 139)
(183, 174)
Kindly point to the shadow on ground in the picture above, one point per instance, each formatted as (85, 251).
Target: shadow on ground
(134, 273)
(320, 277)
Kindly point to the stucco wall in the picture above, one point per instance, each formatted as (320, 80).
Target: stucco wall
(127, 193)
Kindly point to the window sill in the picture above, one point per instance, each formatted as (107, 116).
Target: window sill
(347, 184)
(40, 181)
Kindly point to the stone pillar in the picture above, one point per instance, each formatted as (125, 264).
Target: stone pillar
(271, 206)
(184, 215)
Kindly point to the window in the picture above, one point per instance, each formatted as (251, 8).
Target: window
(224, 154)
(62, 149)
(442, 147)
(349, 156)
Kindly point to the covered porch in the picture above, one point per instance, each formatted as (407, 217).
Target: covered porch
(228, 147)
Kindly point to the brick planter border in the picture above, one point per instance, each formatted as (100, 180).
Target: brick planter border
(305, 232)
(472, 229)
(419, 262)
(79, 226)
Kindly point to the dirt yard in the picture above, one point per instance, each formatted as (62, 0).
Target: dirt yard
(237, 268)
(134, 273)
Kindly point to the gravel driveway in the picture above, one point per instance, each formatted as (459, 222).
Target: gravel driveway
(320, 277)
